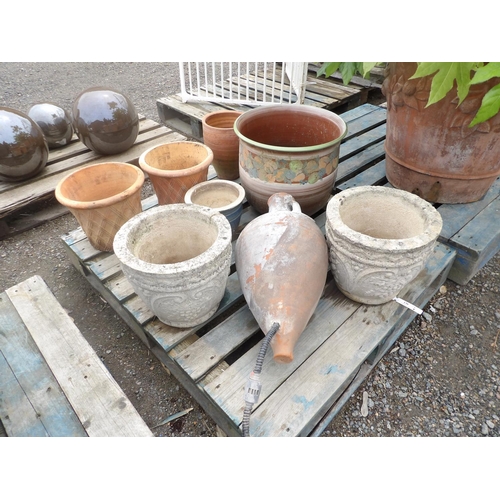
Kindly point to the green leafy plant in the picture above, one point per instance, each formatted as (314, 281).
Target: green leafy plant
(444, 75)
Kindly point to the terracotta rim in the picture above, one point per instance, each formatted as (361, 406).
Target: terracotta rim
(231, 115)
(216, 182)
(85, 205)
(304, 109)
(176, 173)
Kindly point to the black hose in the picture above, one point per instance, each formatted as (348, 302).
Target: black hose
(257, 370)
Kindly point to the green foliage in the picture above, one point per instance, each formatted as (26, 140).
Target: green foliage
(444, 76)
(346, 69)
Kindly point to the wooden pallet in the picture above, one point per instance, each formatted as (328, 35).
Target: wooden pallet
(327, 93)
(16, 196)
(53, 383)
(337, 350)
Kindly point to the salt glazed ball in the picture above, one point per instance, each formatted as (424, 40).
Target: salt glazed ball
(105, 120)
(55, 123)
(23, 148)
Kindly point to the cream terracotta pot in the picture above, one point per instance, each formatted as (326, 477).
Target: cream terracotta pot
(175, 167)
(102, 197)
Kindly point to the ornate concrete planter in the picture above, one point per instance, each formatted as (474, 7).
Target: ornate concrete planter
(379, 239)
(177, 259)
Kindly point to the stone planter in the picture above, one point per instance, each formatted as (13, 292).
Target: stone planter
(177, 258)
(102, 197)
(289, 148)
(219, 136)
(224, 196)
(175, 167)
(379, 239)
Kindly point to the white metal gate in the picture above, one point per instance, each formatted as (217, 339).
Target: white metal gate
(252, 83)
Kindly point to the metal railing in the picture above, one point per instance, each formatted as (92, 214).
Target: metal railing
(250, 83)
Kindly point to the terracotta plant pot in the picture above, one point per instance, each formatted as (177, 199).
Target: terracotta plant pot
(102, 197)
(177, 258)
(289, 148)
(431, 151)
(175, 167)
(23, 148)
(282, 263)
(379, 239)
(224, 196)
(219, 136)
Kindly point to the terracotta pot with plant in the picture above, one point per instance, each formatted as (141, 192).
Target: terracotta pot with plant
(443, 126)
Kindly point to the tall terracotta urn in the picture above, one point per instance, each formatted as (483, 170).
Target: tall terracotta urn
(175, 167)
(102, 197)
(282, 262)
(431, 151)
(219, 136)
(289, 148)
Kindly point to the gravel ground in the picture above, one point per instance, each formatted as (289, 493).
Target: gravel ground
(442, 378)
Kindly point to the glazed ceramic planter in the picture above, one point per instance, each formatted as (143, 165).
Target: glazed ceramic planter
(224, 196)
(379, 239)
(289, 148)
(282, 263)
(219, 136)
(23, 148)
(175, 167)
(102, 197)
(432, 151)
(177, 258)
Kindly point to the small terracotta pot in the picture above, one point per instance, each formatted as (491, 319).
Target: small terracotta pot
(224, 196)
(102, 197)
(175, 167)
(220, 137)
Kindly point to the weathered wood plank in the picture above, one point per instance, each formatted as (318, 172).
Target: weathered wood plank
(457, 216)
(96, 398)
(31, 400)
(227, 390)
(476, 243)
(374, 176)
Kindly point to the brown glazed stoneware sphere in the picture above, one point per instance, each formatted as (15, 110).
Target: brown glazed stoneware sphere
(105, 120)
(55, 123)
(23, 147)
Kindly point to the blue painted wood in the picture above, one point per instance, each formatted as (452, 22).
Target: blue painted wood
(51, 414)
(374, 176)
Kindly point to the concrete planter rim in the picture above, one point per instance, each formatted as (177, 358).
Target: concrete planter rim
(124, 254)
(433, 225)
(188, 198)
(296, 108)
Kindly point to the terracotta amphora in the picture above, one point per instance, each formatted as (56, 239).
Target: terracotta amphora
(282, 263)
